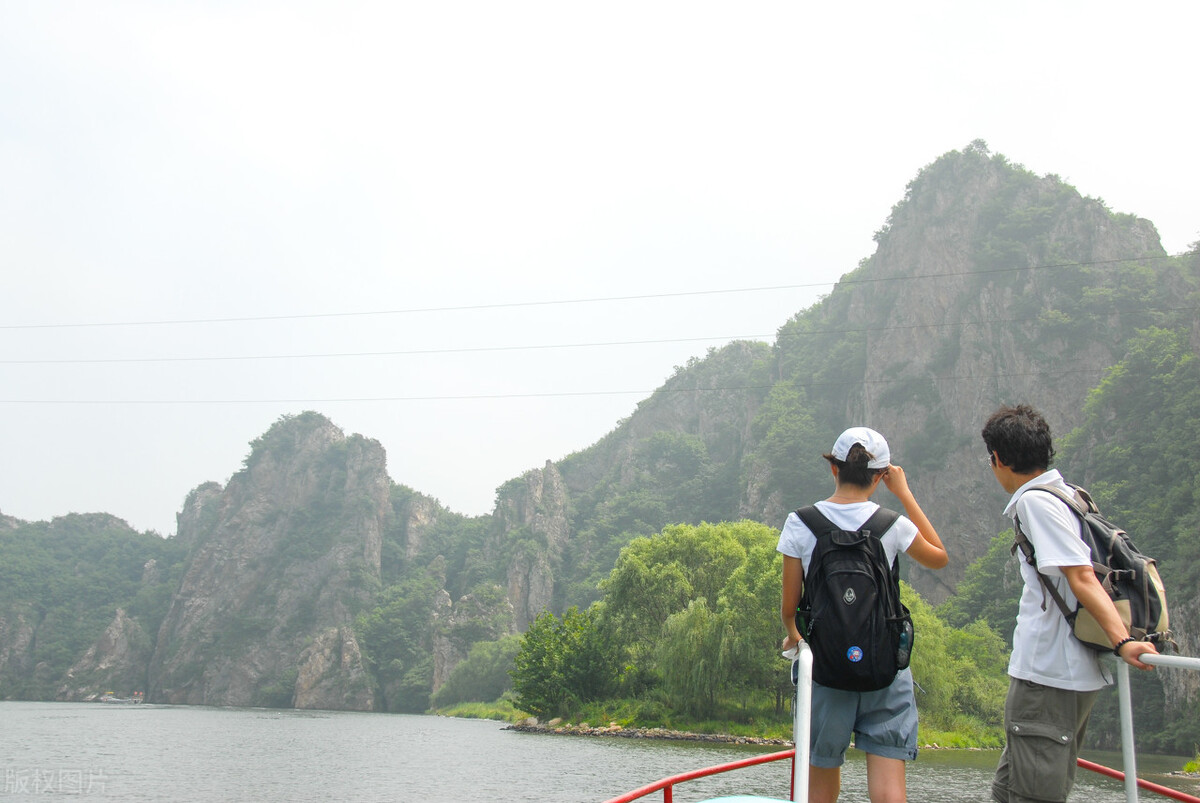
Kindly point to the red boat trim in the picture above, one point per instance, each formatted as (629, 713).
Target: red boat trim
(1149, 786)
(667, 784)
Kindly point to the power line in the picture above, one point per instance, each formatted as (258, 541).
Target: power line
(554, 394)
(401, 353)
(552, 346)
(595, 300)
(467, 397)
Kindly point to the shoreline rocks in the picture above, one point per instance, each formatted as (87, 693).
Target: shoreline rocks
(558, 727)
(613, 729)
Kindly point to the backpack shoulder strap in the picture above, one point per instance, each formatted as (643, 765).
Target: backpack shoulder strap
(1021, 541)
(815, 520)
(1080, 501)
(880, 522)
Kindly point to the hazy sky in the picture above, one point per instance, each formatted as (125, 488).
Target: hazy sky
(481, 232)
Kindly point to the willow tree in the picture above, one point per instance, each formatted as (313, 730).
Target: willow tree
(694, 658)
(697, 607)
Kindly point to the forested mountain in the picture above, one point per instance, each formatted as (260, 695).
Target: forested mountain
(81, 599)
(312, 580)
(989, 285)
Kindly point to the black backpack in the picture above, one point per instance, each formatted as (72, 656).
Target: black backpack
(1130, 578)
(850, 612)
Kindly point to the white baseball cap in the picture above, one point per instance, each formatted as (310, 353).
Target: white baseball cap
(872, 441)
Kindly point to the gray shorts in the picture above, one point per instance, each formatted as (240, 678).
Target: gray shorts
(1043, 727)
(882, 722)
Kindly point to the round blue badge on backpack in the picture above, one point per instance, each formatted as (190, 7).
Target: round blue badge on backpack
(855, 654)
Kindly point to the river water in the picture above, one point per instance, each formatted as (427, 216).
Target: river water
(188, 753)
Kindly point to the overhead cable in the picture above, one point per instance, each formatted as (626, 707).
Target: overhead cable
(596, 300)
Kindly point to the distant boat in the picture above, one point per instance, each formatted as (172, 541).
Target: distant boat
(111, 697)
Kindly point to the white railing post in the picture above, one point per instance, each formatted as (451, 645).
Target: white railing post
(1128, 754)
(802, 721)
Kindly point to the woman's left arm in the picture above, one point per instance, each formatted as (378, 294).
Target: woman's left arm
(926, 549)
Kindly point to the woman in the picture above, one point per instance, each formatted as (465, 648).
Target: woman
(883, 722)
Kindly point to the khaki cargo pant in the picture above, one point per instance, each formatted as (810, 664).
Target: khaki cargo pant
(1043, 728)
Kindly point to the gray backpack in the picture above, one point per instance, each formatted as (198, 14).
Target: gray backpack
(1130, 578)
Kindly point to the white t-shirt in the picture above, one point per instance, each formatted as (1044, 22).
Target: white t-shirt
(797, 541)
(1044, 650)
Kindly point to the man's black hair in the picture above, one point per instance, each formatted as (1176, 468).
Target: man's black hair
(1021, 438)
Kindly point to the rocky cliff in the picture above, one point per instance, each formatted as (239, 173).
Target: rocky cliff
(16, 639)
(116, 663)
(989, 285)
(281, 560)
(532, 513)
(979, 275)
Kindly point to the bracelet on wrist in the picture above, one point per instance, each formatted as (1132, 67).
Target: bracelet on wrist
(1122, 643)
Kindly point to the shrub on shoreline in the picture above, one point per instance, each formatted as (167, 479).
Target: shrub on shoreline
(619, 722)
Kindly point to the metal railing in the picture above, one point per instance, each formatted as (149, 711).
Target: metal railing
(801, 656)
(1128, 754)
(799, 756)
(667, 785)
(802, 720)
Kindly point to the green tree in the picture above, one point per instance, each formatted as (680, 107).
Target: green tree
(396, 639)
(641, 593)
(750, 599)
(785, 432)
(694, 657)
(695, 608)
(484, 676)
(961, 673)
(563, 663)
(658, 576)
(990, 591)
(1135, 450)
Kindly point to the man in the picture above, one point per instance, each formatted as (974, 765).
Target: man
(1053, 677)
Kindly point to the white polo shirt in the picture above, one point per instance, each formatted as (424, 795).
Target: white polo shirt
(1044, 650)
